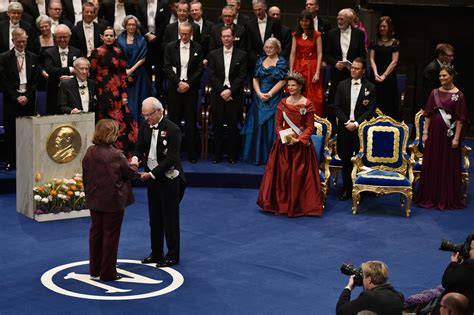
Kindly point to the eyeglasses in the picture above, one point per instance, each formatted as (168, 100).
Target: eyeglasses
(356, 68)
(150, 114)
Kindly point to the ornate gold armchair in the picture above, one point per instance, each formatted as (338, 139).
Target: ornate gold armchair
(320, 139)
(416, 152)
(382, 165)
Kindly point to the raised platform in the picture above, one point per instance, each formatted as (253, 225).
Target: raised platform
(201, 174)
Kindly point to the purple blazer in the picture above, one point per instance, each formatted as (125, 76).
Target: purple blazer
(107, 175)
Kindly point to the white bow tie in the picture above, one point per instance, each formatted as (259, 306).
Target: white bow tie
(63, 52)
(355, 82)
(88, 26)
(20, 54)
(227, 51)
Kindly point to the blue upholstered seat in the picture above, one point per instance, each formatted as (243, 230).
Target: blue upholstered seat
(382, 164)
(320, 139)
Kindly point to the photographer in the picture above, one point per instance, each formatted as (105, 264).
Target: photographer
(378, 295)
(459, 275)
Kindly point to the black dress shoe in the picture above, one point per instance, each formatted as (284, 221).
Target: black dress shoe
(345, 196)
(150, 260)
(166, 262)
(117, 277)
(232, 161)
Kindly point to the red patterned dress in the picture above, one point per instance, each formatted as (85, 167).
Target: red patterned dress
(291, 183)
(108, 68)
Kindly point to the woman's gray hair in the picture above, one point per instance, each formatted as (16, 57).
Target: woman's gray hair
(275, 43)
(42, 18)
(128, 18)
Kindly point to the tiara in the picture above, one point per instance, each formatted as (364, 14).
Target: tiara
(295, 76)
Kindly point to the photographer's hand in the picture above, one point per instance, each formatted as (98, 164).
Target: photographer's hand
(455, 257)
(350, 285)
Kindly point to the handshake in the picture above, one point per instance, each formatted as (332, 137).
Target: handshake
(142, 176)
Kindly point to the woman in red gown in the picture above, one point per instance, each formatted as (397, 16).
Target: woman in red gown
(440, 181)
(306, 57)
(291, 182)
(108, 68)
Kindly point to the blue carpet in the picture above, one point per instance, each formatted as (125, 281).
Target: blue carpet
(235, 259)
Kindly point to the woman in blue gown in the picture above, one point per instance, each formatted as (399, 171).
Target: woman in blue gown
(268, 83)
(134, 47)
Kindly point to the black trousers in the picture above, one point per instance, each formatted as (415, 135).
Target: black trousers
(347, 146)
(184, 106)
(163, 208)
(228, 113)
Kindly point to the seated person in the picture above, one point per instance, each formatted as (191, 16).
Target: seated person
(378, 295)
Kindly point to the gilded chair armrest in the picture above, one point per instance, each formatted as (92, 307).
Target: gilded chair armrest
(465, 152)
(410, 163)
(357, 163)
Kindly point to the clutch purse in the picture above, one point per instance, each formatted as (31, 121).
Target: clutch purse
(286, 135)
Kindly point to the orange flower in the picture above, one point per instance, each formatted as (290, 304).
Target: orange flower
(70, 193)
(53, 192)
(40, 188)
(73, 187)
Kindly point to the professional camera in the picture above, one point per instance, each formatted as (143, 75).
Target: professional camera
(462, 249)
(349, 270)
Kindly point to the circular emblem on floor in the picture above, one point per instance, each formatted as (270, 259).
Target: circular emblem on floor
(139, 281)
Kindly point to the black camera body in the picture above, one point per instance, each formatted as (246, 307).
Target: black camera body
(462, 249)
(349, 270)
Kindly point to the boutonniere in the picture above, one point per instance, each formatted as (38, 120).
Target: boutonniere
(236, 39)
(366, 92)
(165, 151)
(454, 97)
(74, 58)
(195, 54)
(95, 97)
(163, 133)
(303, 111)
(365, 102)
(165, 142)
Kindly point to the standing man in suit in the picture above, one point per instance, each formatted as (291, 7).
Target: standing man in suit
(227, 72)
(343, 44)
(114, 12)
(35, 8)
(240, 37)
(320, 24)
(19, 71)
(354, 103)
(72, 10)
(58, 63)
(205, 26)
(286, 37)
(55, 10)
(240, 18)
(183, 68)
(259, 29)
(78, 94)
(158, 145)
(15, 12)
(86, 33)
(430, 78)
(172, 32)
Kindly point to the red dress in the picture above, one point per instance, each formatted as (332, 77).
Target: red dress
(291, 182)
(306, 59)
(108, 68)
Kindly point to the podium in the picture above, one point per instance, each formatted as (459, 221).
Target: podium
(50, 148)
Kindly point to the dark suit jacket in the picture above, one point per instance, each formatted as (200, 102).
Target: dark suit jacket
(365, 105)
(107, 10)
(237, 71)
(78, 38)
(167, 152)
(383, 299)
(107, 174)
(25, 17)
(240, 40)
(52, 65)
(32, 44)
(255, 43)
(30, 7)
(10, 80)
(241, 19)
(323, 27)
(162, 18)
(171, 33)
(206, 36)
(430, 81)
(333, 52)
(173, 60)
(68, 11)
(286, 39)
(69, 97)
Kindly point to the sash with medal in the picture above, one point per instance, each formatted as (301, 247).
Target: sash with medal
(446, 117)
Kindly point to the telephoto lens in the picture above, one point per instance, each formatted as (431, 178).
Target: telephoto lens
(349, 270)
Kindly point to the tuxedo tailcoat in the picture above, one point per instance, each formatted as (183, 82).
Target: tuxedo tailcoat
(78, 37)
(164, 194)
(32, 44)
(240, 40)
(69, 96)
(52, 65)
(172, 33)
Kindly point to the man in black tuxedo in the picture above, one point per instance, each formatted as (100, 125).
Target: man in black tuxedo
(354, 103)
(55, 10)
(19, 71)
(86, 33)
(115, 11)
(259, 29)
(33, 9)
(78, 94)
(239, 18)
(240, 37)
(183, 68)
(205, 26)
(286, 37)
(336, 54)
(227, 73)
(320, 24)
(430, 78)
(58, 63)
(72, 10)
(172, 32)
(378, 296)
(15, 13)
(158, 146)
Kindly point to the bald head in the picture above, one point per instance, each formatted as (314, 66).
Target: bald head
(274, 12)
(454, 304)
